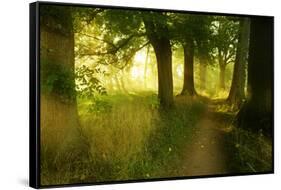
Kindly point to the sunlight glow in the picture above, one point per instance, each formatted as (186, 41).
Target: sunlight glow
(140, 57)
(136, 72)
(179, 70)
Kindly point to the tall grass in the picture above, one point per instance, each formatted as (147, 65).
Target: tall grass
(253, 152)
(117, 136)
(62, 150)
(129, 137)
(132, 139)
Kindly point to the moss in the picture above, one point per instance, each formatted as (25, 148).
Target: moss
(58, 80)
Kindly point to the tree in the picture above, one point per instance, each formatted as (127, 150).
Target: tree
(256, 114)
(192, 32)
(111, 40)
(225, 38)
(188, 74)
(237, 90)
(157, 34)
(183, 34)
(204, 46)
(119, 40)
(60, 133)
(203, 61)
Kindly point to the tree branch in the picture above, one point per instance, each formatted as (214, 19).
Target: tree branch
(127, 58)
(115, 49)
(99, 39)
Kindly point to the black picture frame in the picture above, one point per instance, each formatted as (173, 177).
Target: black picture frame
(34, 94)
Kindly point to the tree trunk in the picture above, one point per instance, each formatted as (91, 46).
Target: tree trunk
(61, 141)
(164, 65)
(188, 81)
(163, 51)
(222, 76)
(256, 114)
(203, 72)
(237, 90)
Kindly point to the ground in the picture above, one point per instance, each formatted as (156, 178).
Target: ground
(206, 154)
(130, 138)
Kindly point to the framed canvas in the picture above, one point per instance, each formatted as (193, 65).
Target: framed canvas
(121, 94)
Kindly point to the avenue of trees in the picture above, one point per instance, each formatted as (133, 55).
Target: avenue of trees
(90, 52)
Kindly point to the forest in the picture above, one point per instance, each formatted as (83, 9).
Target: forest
(134, 94)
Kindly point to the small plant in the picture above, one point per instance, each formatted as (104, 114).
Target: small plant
(87, 84)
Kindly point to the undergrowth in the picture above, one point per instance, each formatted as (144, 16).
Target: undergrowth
(130, 137)
(252, 152)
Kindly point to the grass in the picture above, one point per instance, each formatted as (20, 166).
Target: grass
(131, 138)
(251, 152)
(163, 152)
(117, 134)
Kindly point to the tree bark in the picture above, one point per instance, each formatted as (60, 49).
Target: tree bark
(163, 51)
(61, 141)
(237, 90)
(164, 65)
(203, 72)
(257, 113)
(188, 81)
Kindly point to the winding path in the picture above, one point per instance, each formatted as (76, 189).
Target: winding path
(207, 154)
